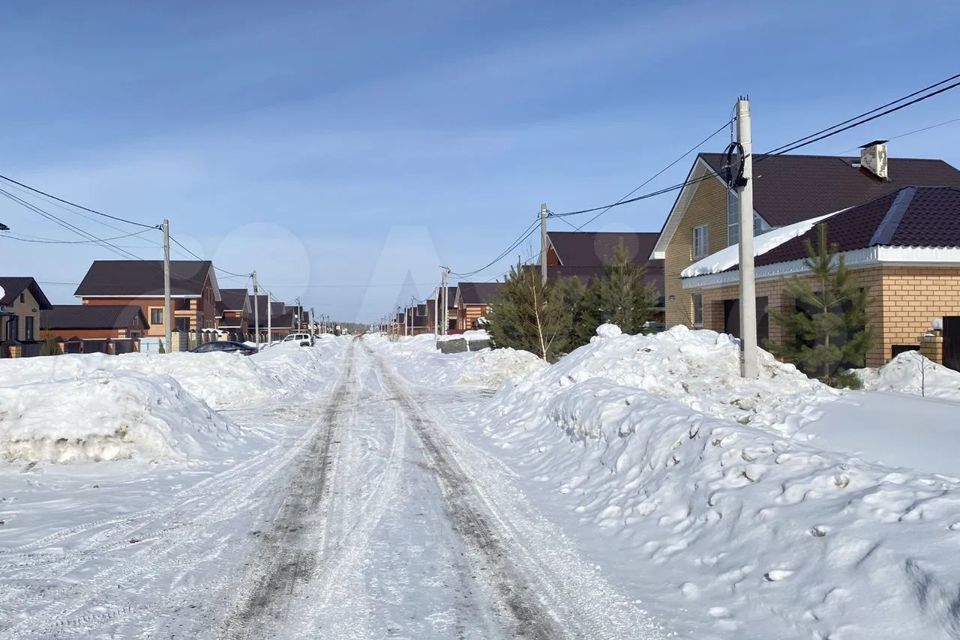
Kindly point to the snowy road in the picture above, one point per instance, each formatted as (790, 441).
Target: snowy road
(370, 517)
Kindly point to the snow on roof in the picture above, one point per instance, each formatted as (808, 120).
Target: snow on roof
(730, 257)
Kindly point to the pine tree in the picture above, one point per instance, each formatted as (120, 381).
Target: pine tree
(622, 296)
(528, 315)
(829, 332)
(577, 300)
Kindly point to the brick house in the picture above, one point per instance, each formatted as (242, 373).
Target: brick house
(85, 328)
(473, 302)
(193, 287)
(583, 255)
(233, 311)
(903, 247)
(787, 189)
(21, 302)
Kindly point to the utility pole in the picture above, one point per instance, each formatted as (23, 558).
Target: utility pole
(269, 319)
(543, 243)
(446, 300)
(256, 309)
(436, 314)
(748, 294)
(167, 306)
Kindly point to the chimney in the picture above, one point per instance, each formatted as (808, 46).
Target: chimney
(873, 158)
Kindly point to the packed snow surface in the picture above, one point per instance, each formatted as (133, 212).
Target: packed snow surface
(768, 241)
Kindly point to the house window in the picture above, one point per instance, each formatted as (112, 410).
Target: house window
(156, 316)
(697, 310)
(28, 328)
(733, 218)
(23, 297)
(701, 238)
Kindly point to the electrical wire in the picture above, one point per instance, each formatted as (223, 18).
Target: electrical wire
(623, 200)
(71, 227)
(788, 146)
(910, 133)
(74, 204)
(39, 240)
(224, 271)
(526, 233)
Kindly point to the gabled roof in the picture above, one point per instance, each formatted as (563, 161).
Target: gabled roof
(144, 278)
(594, 249)
(91, 316)
(234, 300)
(477, 292)
(910, 217)
(12, 287)
(791, 188)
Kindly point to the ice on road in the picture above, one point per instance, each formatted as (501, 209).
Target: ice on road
(361, 512)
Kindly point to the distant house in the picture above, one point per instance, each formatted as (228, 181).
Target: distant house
(233, 313)
(85, 328)
(787, 189)
(21, 302)
(273, 315)
(473, 302)
(193, 286)
(903, 247)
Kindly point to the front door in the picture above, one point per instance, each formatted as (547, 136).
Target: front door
(731, 318)
(951, 342)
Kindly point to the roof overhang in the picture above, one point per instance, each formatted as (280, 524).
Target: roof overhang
(699, 170)
(892, 256)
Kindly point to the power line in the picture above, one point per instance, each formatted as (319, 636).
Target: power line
(74, 204)
(69, 226)
(910, 133)
(229, 273)
(39, 240)
(526, 233)
(623, 200)
(645, 196)
(834, 131)
(779, 149)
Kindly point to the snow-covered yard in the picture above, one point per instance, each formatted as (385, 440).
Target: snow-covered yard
(638, 488)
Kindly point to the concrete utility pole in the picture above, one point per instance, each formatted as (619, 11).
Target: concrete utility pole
(446, 302)
(269, 320)
(543, 243)
(256, 309)
(748, 292)
(167, 306)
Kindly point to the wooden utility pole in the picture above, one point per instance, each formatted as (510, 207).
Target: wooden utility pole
(543, 243)
(167, 306)
(748, 292)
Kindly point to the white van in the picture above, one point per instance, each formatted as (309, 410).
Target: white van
(304, 339)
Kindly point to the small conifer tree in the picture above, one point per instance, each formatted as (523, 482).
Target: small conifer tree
(622, 296)
(828, 332)
(528, 315)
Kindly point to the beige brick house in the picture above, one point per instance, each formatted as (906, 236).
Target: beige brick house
(903, 248)
(21, 301)
(787, 189)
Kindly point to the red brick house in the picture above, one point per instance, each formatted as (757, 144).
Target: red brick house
(96, 328)
(233, 313)
(473, 302)
(193, 286)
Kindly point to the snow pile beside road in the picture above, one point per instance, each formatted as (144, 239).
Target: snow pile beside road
(697, 368)
(490, 368)
(657, 443)
(105, 415)
(908, 373)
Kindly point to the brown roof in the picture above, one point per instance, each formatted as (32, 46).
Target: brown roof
(144, 278)
(91, 316)
(232, 299)
(14, 286)
(910, 217)
(593, 249)
(478, 292)
(791, 188)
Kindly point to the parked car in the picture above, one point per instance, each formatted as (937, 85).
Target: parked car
(225, 346)
(304, 339)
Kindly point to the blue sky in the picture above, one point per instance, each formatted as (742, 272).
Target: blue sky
(345, 150)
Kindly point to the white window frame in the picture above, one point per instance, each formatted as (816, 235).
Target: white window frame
(733, 218)
(701, 246)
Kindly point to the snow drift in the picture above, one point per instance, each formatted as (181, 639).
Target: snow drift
(912, 373)
(107, 415)
(658, 444)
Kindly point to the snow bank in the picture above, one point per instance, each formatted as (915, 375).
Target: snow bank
(490, 368)
(107, 415)
(910, 372)
(657, 443)
(697, 368)
(730, 256)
